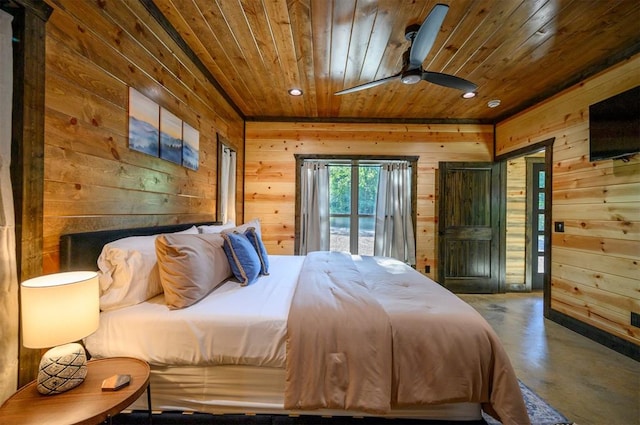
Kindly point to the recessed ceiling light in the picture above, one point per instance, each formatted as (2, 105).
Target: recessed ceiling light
(493, 103)
(469, 95)
(295, 92)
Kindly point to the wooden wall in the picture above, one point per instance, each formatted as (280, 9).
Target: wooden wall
(270, 168)
(95, 51)
(595, 272)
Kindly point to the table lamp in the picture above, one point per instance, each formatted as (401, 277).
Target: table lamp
(60, 308)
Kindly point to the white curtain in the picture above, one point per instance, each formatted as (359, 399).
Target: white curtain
(394, 226)
(8, 271)
(314, 207)
(227, 185)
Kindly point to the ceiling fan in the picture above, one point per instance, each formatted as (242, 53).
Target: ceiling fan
(422, 38)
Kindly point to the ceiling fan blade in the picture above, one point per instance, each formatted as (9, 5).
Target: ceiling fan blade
(449, 81)
(426, 35)
(368, 85)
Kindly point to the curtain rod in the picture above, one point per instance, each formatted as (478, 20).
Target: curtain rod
(350, 163)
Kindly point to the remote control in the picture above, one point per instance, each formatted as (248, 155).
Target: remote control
(115, 382)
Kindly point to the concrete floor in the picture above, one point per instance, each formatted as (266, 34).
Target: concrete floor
(585, 381)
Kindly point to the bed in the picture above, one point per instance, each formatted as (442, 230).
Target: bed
(324, 334)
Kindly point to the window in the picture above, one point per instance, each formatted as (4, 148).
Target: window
(362, 205)
(353, 187)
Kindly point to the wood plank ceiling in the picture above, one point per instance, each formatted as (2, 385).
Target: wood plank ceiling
(517, 51)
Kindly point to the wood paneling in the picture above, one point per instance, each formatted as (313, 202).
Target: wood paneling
(96, 50)
(518, 51)
(595, 272)
(271, 173)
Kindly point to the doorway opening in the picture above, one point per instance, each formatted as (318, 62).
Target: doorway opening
(526, 243)
(525, 222)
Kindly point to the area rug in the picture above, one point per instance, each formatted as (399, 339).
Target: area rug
(540, 413)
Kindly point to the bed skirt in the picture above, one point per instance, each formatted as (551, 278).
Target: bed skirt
(255, 390)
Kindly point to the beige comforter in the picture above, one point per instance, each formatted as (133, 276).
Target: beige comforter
(370, 333)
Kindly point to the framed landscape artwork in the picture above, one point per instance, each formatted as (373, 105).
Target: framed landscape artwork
(190, 146)
(144, 123)
(170, 137)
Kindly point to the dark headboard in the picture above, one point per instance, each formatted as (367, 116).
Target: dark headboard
(80, 251)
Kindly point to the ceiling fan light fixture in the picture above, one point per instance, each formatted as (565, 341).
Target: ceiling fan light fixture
(469, 95)
(295, 92)
(411, 77)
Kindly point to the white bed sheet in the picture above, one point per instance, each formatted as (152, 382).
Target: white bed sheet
(233, 325)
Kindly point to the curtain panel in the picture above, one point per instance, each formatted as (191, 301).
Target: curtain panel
(8, 271)
(227, 185)
(314, 207)
(394, 235)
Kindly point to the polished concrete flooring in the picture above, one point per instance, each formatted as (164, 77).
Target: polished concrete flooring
(585, 381)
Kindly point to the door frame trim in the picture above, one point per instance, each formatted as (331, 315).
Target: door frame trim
(547, 145)
(530, 241)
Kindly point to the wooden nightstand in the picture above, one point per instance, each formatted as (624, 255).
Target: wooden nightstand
(85, 404)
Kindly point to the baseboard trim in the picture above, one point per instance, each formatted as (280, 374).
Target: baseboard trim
(618, 344)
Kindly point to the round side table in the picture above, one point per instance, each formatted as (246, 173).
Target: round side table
(85, 404)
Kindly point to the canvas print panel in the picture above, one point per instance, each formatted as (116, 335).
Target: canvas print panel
(144, 123)
(190, 146)
(170, 137)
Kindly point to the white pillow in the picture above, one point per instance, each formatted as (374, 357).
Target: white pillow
(216, 228)
(243, 227)
(128, 271)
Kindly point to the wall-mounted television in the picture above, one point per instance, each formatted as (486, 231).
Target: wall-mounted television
(614, 126)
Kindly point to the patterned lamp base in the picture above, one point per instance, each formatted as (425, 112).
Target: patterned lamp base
(61, 369)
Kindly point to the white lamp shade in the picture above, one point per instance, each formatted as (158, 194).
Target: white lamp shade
(59, 308)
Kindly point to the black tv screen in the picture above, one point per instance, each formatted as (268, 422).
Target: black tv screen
(614, 126)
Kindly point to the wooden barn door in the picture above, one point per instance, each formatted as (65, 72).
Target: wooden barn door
(468, 229)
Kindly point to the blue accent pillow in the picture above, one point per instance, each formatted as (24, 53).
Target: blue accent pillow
(255, 240)
(242, 257)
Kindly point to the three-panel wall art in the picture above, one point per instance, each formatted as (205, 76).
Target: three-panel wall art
(156, 131)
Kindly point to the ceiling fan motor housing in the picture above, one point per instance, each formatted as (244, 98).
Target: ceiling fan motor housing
(411, 76)
(411, 31)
